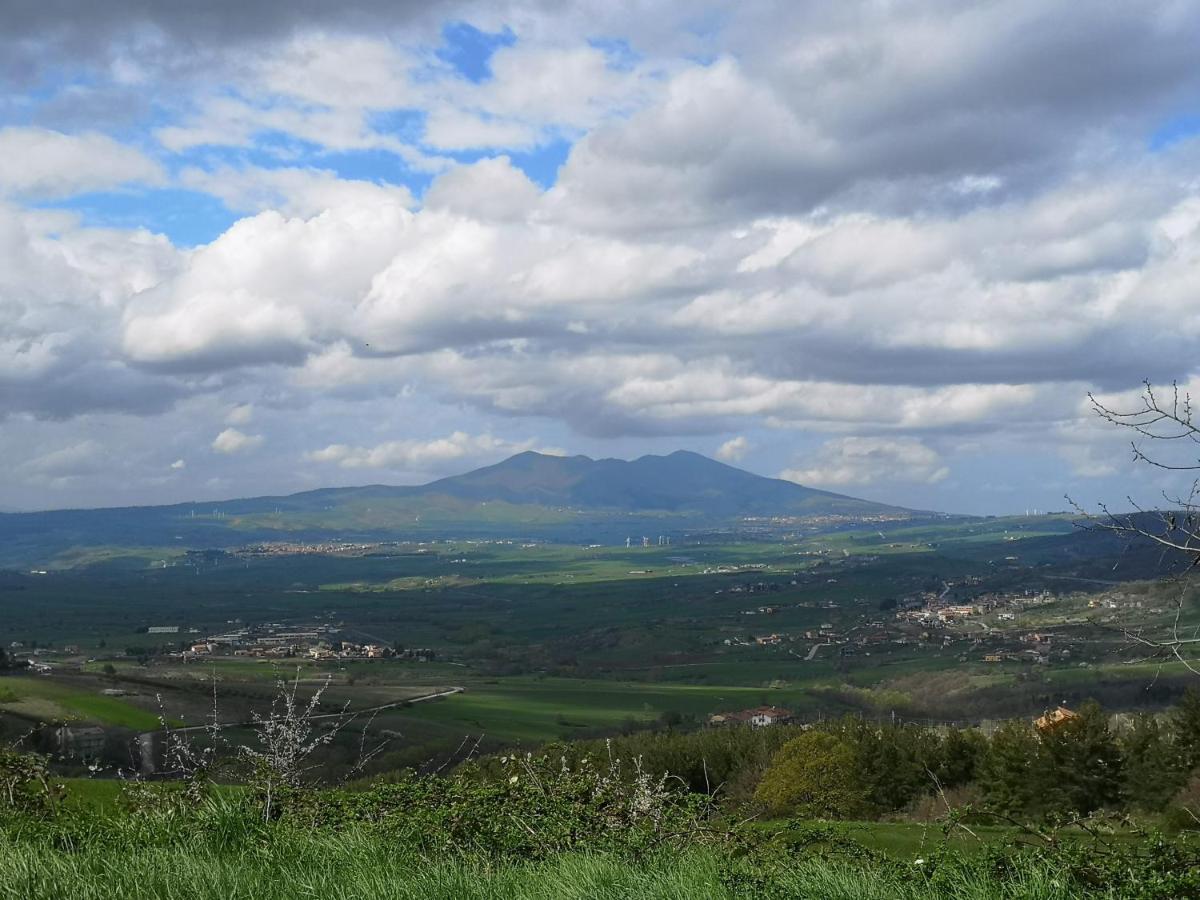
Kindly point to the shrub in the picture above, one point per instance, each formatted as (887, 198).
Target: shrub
(25, 783)
(814, 775)
(541, 806)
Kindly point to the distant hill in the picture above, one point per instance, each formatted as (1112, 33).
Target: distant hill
(530, 494)
(682, 482)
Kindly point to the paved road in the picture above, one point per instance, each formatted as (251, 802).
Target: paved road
(812, 654)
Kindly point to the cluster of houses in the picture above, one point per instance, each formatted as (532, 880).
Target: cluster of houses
(765, 716)
(321, 641)
(759, 717)
(322, 548)
(351, 650)
(954, 615)
(932, 607)
(266, 642)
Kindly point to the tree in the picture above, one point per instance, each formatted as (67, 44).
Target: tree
(896, 763)
(288, 738)
(1167, 418)
(1015, 771)
(961, 755)
(1153, 772)
(1185, 723)
(814, 775)
(1085, 760)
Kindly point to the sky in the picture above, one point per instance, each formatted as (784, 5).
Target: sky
(881, 248)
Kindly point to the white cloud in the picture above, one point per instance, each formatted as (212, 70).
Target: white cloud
(450, 129)
(291, 190)
(489, 189)
(787, 220)
(37, 162)
(1088, 461)
(76, 459)
(733, 449)
(869, 460)
(178, 465)
(233, 441)
(241, 414)
(419, 454)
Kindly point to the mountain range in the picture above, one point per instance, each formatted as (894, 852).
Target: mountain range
(530, 494)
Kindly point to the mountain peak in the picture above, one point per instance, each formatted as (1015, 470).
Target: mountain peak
(557, 497)
(679, 482)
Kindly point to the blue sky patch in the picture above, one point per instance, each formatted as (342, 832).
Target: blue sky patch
(1174, 131)
(470, 50)
(188, 218)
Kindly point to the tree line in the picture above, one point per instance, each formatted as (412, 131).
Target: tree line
(855, 768)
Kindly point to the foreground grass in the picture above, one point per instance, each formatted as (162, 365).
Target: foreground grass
(359, 866)
(162, 843)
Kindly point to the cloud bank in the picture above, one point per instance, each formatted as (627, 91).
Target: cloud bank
(448, 231)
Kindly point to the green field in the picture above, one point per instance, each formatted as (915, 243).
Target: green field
(534, 710)
(44, 700)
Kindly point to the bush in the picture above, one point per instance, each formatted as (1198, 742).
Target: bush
(541, 805)
(25, 783)
(815, 776)
(1184, 809)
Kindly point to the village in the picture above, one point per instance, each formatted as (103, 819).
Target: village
(317, 640)
(322, 642)
(1030, 625)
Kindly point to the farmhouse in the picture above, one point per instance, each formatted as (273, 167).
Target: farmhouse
(956, 612)
(83, 743)
(1054, 718)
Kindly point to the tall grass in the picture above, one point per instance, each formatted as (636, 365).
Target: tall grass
(238, 859)
(342, 867)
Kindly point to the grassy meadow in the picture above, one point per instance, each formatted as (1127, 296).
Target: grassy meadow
(48, 700)
(350, 867)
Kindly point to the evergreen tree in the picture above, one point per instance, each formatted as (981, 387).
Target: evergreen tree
(1015, 772)
(1185, 723)
(960, 757)
(1085, 760)
(1153, 772)
(893, 761)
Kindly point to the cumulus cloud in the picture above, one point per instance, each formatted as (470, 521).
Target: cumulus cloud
(63, 289)
(868, 460)
(37, 162)
(293, 191)
(491, 188)
(233, 441)
(733, 449)
(419, 454)
(788, 221)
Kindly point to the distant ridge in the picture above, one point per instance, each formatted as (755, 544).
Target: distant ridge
(533, 494)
